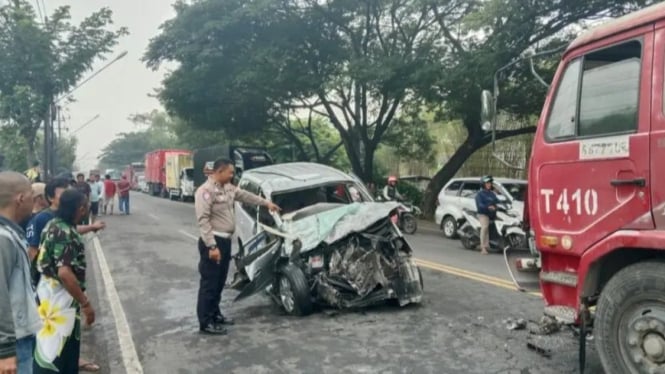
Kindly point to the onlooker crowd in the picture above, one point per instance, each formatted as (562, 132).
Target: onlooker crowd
(43, 272)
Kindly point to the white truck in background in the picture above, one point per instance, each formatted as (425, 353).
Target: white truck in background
(179, 176)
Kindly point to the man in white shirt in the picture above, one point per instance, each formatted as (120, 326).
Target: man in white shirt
(96, 190)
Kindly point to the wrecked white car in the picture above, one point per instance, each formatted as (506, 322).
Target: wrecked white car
(344, 254)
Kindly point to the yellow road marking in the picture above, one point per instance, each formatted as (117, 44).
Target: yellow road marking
(487, 279)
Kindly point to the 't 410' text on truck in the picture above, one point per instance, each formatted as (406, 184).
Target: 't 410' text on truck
(596, 198)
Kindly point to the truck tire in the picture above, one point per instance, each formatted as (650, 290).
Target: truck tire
(293, 291)
(630, 320)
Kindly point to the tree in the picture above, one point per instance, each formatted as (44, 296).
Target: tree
(14, 148)
(247, 65)
(410, 138)
(495, 33)
(40, 61)
(156, 132)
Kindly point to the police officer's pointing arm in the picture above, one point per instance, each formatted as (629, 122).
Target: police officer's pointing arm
(203, 206)
(250, 198)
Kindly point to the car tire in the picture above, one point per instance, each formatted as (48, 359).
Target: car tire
(293, 291)
(630, 310)
(449, 227)
(409, 223)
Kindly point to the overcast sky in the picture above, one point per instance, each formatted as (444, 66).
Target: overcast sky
(123, 88)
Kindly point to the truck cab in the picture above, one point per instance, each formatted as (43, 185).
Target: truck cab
(596, 196)
(187, 183)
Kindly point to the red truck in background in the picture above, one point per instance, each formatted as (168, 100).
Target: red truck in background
(155, 170)
(134, 172)
(596, 195)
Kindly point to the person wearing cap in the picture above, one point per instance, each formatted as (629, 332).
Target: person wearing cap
(486, 204)
(215, 215)
(39, 201)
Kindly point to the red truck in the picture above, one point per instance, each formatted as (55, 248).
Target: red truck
(596, 195)
(133, 172)
(155, 170)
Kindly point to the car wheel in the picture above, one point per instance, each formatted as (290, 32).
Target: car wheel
(449, 227)
(630, 320)
(294, 291)
(409, 223)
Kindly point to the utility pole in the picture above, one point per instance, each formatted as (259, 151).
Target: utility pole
(54, 142)
(48, 124)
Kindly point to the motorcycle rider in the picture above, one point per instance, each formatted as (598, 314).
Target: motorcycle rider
(390, 192)
(486, 205)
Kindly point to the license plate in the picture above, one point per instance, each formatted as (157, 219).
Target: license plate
(316, 262)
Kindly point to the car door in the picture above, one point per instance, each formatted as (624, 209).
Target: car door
(592, 154)
(246, 214)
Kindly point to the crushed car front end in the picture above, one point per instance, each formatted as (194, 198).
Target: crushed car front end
(344, 256)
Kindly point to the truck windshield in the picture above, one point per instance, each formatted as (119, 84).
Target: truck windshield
(189, 173)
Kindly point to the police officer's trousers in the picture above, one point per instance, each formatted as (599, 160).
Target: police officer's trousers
(213, 278)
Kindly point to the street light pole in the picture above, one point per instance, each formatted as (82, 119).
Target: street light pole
(49, 134)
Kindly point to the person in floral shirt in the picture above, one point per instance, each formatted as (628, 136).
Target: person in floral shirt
(61, 288)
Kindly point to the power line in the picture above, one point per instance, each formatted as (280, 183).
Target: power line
(39, 10)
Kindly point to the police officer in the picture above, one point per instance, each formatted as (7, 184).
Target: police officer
(214, 202)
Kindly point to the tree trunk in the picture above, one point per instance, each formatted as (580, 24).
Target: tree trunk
(30, 154)
(354, 158)
(448, 171)
(472, 143)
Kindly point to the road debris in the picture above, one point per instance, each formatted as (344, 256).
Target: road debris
(519, 324)
(547, 353)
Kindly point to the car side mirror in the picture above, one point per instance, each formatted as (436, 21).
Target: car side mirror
(487, 111)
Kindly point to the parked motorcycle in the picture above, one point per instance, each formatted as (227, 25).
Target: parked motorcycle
(505, 230)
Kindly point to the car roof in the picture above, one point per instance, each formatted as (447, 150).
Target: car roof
(498, 180)
(294, 176)
(632, 20)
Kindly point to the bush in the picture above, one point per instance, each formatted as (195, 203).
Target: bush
(410, 192)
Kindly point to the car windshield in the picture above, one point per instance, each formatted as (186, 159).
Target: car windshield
(516, 190)
(335, 193)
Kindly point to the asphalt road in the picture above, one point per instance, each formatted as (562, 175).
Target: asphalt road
(144, 279)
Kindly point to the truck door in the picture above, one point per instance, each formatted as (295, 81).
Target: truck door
(591, 154)
(658, 129)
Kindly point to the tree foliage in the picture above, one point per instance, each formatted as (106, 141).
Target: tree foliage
(495, 33)
(246, 65)
(307, 139)
(14, 147)
(41, 60)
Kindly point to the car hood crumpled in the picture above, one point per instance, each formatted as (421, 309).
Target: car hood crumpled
(334, 224)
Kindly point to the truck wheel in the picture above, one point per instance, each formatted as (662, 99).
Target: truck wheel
(449, 227)
(630, 321)
(293, 291)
